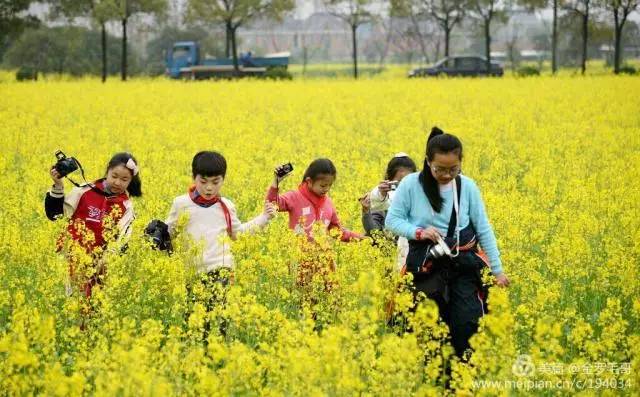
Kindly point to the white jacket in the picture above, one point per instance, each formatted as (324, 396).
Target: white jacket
(209, 225)
(379, 203)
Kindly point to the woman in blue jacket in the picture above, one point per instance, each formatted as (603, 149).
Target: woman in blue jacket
(440, 204)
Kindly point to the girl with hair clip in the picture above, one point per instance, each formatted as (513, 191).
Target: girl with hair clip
(98, 212)
(442, 214)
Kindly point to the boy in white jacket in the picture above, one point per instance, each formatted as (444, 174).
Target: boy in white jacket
(211, 216)
(211, 219)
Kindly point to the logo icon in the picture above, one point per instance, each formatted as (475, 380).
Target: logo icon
(523, 366)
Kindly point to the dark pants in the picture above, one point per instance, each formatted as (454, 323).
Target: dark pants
(215, 285)
(461, 298)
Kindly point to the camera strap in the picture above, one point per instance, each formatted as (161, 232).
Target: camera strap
(453, 221)
(86, 184)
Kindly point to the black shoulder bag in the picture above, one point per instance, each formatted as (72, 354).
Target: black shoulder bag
(432, 276)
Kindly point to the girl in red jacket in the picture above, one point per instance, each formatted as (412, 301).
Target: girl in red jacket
(306, 206)
(100, 216)
(310, 203)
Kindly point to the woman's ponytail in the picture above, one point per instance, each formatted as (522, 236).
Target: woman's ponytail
(430, 187)
(435, 131)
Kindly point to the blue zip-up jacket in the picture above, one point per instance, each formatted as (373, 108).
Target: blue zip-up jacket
(411, 210)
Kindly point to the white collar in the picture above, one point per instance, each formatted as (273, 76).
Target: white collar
(447, 187)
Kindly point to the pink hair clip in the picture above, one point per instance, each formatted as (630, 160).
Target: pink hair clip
(132, 166)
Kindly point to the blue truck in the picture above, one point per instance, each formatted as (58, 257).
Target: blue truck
(185, 62)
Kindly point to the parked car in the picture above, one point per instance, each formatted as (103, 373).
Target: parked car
(459, 66)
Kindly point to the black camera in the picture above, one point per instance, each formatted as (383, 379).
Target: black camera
(284, 170)
(65, 165)
(158, 232)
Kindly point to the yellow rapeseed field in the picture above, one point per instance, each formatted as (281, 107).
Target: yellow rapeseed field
(558, 164)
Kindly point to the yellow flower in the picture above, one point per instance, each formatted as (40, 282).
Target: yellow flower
(556, 161)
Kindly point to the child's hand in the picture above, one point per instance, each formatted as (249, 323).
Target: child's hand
(365, 202)
(56, 177)
(276, 178)
(270, 209)
(384, 187)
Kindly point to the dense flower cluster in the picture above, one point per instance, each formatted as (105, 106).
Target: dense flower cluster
(557, 161)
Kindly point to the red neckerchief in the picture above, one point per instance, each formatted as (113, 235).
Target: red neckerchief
(317, 201)
(206, 203)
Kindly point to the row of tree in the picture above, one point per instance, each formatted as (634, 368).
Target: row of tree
(103, 11)
(447, 14)
(233, 14)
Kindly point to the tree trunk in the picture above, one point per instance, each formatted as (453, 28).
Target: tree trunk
(616, 51)
(585, 36)
(305, 58)
(234, 50)
(227, 42)
(104, 51)
(512, 58)
(123, 68)
(554, 38)
(618, 46)
(487, 43)
(447, 32)
(355, 50)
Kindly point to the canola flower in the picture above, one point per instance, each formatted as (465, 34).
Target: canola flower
(557, 160)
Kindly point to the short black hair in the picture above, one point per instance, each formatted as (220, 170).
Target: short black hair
(209, 163)
(319, 167)
(399, 162)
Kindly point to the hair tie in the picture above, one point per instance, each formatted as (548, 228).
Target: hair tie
(401, 154)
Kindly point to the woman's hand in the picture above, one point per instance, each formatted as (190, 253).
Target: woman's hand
(430, 233)
(57, 178)
(502, 280)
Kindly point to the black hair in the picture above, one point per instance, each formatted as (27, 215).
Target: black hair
(208, 163)
(319, 167)
(122, 158)
(399, 162)
(443, 143)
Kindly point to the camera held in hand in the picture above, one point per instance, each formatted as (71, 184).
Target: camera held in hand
(284, 170)
(393, 185)
(65, 165)
(158, 232)
(438, 250)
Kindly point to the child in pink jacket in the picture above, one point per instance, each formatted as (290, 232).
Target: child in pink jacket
(310, 202)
